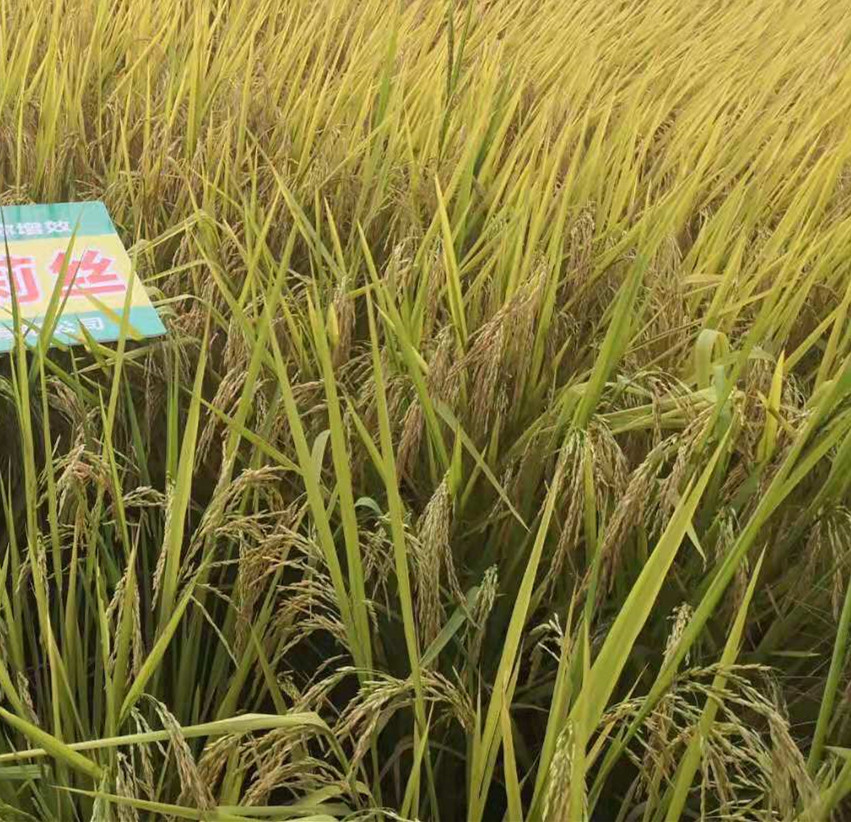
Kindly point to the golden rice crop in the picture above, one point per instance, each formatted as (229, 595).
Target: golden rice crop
(497, 462)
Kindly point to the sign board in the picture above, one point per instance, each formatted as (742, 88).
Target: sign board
(80, 240)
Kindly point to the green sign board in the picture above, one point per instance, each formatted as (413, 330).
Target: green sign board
(78, 242)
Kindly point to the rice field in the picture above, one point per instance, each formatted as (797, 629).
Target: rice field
(496, 465)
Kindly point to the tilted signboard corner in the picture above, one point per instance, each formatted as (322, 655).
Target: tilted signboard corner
(78, 242)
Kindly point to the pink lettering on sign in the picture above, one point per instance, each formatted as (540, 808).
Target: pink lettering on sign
(23, 277)
(89, 274)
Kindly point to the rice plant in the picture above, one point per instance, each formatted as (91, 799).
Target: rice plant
(497, 462)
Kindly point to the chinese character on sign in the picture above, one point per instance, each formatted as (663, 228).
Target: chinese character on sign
(71, 328)
(88, 275)
(92, 323)
(16, 230)
(24, 279)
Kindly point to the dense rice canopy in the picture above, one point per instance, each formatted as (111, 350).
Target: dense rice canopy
(496, 465)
